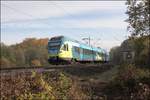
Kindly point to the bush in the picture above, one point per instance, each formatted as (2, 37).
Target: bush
(23, 86)
(130, 83)
(37, 86)
(64, 87)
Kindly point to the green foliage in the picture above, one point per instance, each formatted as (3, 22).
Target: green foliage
(140, 47)
(115, 55)
(139, 26)
(19, 56)
(130, 83)
(139, 15)
(8, 53)
(130, 71)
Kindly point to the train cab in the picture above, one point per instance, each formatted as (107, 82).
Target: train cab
(59, 49)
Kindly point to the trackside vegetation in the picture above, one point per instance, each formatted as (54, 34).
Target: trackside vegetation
(132, 82)
(45, 86)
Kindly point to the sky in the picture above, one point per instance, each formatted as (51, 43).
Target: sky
(102, 21)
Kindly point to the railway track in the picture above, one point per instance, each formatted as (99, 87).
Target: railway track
(53, 67)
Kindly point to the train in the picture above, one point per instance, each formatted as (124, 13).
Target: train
(65, 49)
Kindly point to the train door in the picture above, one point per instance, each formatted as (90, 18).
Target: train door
(65, 51)
(76, 52)
(98, 56)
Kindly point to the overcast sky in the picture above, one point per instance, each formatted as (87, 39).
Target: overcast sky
(103, 21)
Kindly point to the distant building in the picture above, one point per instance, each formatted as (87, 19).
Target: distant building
(127, 51)
(128, 56)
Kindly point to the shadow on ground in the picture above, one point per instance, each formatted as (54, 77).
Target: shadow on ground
(87, 71)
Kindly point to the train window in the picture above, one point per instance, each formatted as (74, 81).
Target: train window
(88, 52)
(54, 47)
(65, 47)
(93, 52)
(55, 38)
(77, 49)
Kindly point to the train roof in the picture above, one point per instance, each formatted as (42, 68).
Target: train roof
(86, 46)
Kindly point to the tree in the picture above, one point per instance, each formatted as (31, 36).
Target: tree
(139, 23)
(28, 53)
(115, 55)
(8, 53)
(20, 57)
(141, 49)
(139, 15)
(4, 62)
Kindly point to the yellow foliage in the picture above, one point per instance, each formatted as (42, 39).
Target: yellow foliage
(35, 62)
(4, 62)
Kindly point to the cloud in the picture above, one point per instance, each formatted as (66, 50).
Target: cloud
(96, 23)
(30, 10)
(106, 44)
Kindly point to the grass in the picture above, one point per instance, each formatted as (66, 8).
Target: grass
(103, 74)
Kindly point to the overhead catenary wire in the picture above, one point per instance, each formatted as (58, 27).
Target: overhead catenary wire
(18, 11)
(61, 8)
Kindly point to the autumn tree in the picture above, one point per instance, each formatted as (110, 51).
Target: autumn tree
(4, 62)
(138, 17)
(115, 55)
(35, 62)
(139, 25)
(7, 54)
(30, 52)
(20, 56)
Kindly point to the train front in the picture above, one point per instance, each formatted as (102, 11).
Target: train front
(54, 45)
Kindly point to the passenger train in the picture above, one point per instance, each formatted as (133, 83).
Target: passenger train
(64, 49)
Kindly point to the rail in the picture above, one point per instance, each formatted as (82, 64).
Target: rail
(56, 67)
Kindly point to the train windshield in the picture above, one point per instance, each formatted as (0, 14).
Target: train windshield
(53, 47)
